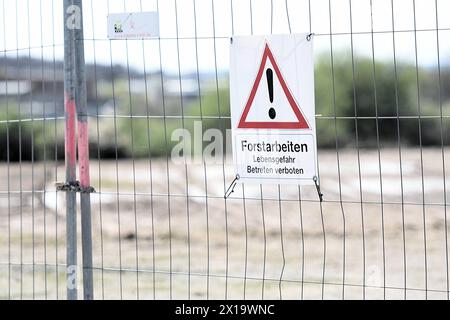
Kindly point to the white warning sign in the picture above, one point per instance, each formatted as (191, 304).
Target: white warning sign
(272, 109)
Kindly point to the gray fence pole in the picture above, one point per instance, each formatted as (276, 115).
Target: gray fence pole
(75, 59)
(70, 148)
(83, 156)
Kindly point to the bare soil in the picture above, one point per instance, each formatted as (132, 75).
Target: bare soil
(381, 231)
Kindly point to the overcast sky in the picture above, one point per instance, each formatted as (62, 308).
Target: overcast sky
(36, 23)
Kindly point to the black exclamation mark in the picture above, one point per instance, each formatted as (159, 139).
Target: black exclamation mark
(269, 76)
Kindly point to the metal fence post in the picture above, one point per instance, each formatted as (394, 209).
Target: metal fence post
(75, 87)
(83, 154)
(70, 148)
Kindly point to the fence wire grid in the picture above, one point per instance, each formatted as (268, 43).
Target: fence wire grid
(162, 229)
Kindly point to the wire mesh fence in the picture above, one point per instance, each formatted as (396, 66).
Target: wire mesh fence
(161, 227)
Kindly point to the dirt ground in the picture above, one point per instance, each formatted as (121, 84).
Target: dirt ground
(171, 223)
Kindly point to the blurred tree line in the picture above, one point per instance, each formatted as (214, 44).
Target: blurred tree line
(384, 91)
(376, 94)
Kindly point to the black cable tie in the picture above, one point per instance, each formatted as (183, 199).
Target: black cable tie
(73, 186)
(309, 36)
(318, 188)
(230, 189)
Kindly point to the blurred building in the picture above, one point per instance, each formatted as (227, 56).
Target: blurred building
(36, 87)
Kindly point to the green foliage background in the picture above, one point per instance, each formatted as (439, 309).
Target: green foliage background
(343, 89)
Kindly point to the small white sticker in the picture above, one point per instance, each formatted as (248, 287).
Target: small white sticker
(133, 25)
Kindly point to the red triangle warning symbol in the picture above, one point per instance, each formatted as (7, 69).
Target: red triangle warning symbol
(299, 122)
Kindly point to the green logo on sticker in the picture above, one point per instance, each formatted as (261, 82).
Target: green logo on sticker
(118, 27)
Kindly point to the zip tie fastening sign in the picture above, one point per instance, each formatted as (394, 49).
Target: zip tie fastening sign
(230, 189)
(315, 179)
